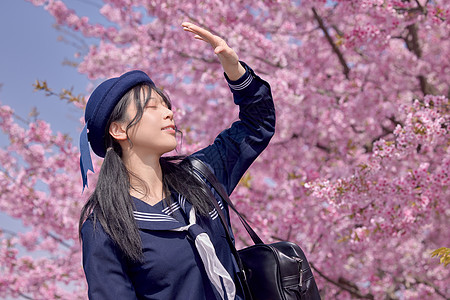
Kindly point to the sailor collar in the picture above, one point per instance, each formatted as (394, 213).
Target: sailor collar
(151, 218)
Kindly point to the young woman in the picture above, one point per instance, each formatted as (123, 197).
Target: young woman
(148, 230)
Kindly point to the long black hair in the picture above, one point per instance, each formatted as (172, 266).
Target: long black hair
(111, 203)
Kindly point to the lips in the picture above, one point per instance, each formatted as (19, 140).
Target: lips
(170, 127)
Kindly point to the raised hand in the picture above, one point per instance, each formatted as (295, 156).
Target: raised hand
(227, 56)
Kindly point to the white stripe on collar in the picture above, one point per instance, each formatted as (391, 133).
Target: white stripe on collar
(213, 214)
(220, 204)
(171, 208)
(182, 201)
(155, 220)
(151, 216)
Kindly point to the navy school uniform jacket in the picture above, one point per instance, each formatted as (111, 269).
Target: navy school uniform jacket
(172, 268)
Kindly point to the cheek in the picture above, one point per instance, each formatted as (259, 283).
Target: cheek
(146, 127)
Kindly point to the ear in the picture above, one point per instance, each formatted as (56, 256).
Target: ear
(118, 130)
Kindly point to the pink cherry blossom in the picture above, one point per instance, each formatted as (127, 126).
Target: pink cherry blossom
(357, 173)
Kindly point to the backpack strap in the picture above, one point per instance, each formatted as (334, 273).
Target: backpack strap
(206, 172)
(202, 169)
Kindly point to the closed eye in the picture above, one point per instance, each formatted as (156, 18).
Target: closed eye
(155, 102)
(155, 106)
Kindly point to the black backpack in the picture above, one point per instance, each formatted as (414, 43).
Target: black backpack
(278, 271)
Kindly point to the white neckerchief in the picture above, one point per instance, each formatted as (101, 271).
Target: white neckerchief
(213, 266)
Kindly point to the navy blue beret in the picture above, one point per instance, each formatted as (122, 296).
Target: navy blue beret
(99, 107)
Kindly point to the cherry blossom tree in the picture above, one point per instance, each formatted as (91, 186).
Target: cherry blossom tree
(357, 173)
(38, 171)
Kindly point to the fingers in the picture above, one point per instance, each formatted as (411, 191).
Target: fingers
(200, 33)
(227, 56)
(186, 24)
(218, 44)
(195, 29)
(192, 27)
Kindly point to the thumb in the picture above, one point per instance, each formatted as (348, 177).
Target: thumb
(219, 49)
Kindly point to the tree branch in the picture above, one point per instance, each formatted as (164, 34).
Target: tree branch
(420, 6)
(323, 147)
(198, 22)
(313, 248)
(293, 136)
(11, 233)
(386, 132)
(282, 239)
(412, 42)
(58, 240)
(332, 44)
(425, 87)
(53, 236)
(344, 284)
(266, 61)
(25, 296)
(96, 5)
(432, 285)
(206, 60)
(77, 42)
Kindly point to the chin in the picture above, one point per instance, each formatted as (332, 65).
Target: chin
(170, 149)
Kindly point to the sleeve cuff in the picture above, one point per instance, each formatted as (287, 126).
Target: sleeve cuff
(247, 87)
(241, 83)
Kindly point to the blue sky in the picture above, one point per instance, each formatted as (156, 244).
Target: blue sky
(30, 50)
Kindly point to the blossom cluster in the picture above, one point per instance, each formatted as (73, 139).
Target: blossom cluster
(37, 186)
(357, 172)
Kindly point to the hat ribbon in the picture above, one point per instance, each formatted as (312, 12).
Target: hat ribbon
(85, 156)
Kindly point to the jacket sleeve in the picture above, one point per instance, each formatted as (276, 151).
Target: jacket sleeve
(235, 148)
(105, 270)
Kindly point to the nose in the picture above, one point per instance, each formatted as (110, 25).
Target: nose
(168, 114)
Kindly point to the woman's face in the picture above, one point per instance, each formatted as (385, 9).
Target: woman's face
(155, 132)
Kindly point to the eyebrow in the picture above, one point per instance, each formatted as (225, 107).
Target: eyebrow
(161, 100)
